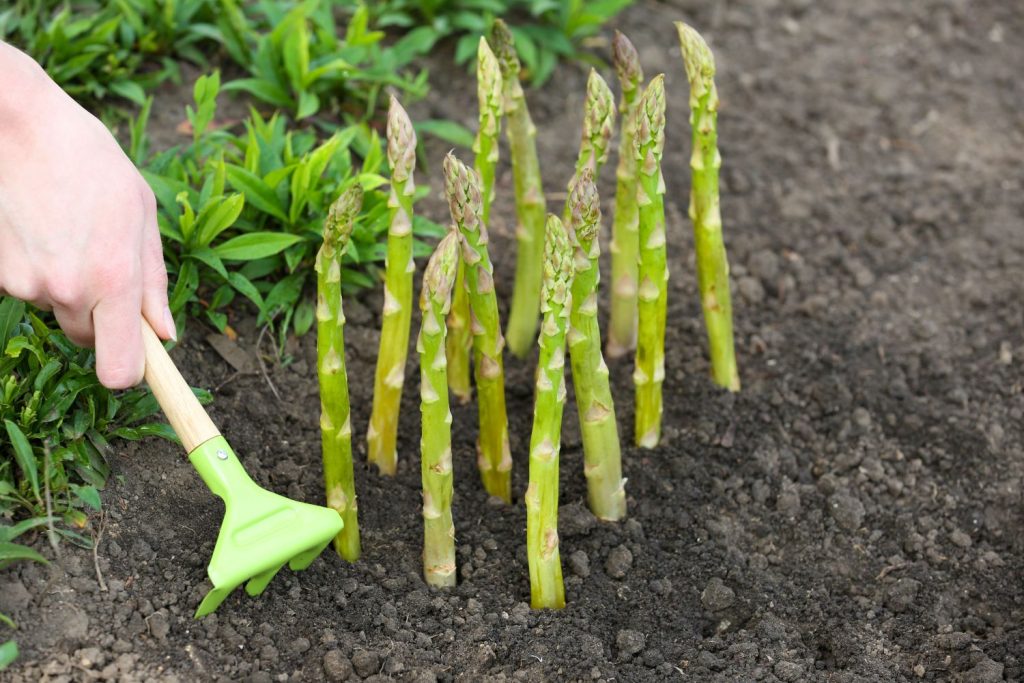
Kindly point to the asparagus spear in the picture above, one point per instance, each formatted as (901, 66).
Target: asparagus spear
(712, 263)
(652, 295)
(335, 419)
(530, 206)
(462, 186)
(394, 335)
(436, 441)
(489, 96)
(601, 450)
(546, 589)
(625, 238)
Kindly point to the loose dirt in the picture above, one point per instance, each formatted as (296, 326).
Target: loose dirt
(855, 514)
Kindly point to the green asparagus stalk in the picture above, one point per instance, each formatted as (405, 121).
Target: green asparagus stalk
(625, 235)
(460, 338)
(335, 418)
(652, 295)
(489, 96)
(462, 186)
(399, 268)
(436, 441)
(712, 263)
(530, 206)
(602, 460)
(546, 589)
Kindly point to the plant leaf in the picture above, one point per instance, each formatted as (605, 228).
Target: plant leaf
(255, 245)
(24, 455)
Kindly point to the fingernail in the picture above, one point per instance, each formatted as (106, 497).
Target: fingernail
(172, 329)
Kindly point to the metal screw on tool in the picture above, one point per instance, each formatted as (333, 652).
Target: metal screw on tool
(222, 454)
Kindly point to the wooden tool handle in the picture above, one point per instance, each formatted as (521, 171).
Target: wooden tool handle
(183, 410)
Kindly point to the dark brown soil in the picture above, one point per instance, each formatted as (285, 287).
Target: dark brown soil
(855, 514)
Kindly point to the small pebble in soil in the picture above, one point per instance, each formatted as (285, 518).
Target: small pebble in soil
(579, 563)
(159, 627)
(846, 509)
(751, 289)
(985, 671)
(901, 595)
(299, 645)
(629, 642)
(717, 596)
(619, 562)
(366, 662)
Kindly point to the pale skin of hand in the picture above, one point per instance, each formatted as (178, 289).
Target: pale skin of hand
(78, 228)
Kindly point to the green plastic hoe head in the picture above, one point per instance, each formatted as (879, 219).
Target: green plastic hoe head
(261, 530)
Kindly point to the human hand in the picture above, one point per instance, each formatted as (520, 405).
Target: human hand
(78, 229)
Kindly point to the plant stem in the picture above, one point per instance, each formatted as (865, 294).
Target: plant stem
(399, 268)
(602, 458)
(705, 212)
(485, 146)
(652, 295)
(460, 338)
(625, 225)
(436, 440)
(335, 417)
(546, 589)
(462, 186)
(530, 204)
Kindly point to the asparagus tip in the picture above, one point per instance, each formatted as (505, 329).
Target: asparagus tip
(342, 215)
(504, 45)
(558, 263)
(585, 207)
(651, 113)
(462, 187)
(401, 142)
(627, 62)
(439, 276)
(697, 56)
(599, 117)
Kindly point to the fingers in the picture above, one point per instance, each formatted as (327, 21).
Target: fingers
(154, 273)
(120, 362)
(76, 322)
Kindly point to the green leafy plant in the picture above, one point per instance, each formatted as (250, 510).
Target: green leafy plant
(57, 422)
(122, 48)
(243, 214)
(545, 30)
(301, 64)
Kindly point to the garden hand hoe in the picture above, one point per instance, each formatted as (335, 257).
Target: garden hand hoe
(261, 530)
